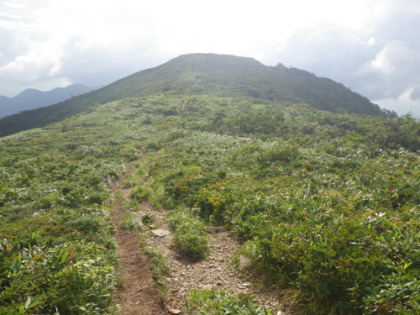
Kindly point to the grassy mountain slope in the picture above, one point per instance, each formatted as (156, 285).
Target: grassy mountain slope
(326, 204)
(220, 75)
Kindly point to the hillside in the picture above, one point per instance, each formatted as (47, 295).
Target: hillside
(208, 74)
(325, 205)
(32, 99)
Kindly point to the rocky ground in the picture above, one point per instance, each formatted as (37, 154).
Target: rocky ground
(216, 271)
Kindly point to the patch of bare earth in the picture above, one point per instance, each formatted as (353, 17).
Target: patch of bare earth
(138, 295)
(216, 271)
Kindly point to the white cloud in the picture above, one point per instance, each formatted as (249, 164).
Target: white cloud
(400, 106)
(369, 45)
(393, 56)
(414, 93)
(391, 73)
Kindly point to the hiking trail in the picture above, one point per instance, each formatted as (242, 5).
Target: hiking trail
(140, 296)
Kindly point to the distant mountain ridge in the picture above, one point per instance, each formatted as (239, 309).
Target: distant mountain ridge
(31, 99)
(222, 75)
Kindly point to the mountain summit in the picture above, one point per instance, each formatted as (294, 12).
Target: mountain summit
(222, 75)
(227, 75)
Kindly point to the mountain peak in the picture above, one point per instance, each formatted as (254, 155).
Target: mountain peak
(214, 74)
(28, 92)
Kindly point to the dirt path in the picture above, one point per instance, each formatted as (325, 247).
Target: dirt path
(214, 272)
(138, 295)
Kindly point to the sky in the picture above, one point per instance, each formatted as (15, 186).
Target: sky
(371, 46)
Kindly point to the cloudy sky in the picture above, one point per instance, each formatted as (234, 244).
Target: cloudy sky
(371, 46)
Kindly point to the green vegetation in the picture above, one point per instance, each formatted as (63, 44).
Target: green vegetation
(159, 266)
(147, 219)
(190, 237)
(217, 302)
(325, 204)
(57, 246)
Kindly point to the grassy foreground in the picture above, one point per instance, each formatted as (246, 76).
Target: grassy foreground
(326, 205)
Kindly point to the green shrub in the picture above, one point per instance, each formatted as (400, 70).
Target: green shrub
(177, 219)
(147, 219)
(63, 278)
(191, 244)
(86, 224)
(190, 236)
(397, 295)
(140, 193)
(96, 198)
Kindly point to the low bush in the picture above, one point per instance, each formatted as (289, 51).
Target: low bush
(190, 236)
(147, 219)
(140, 193)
